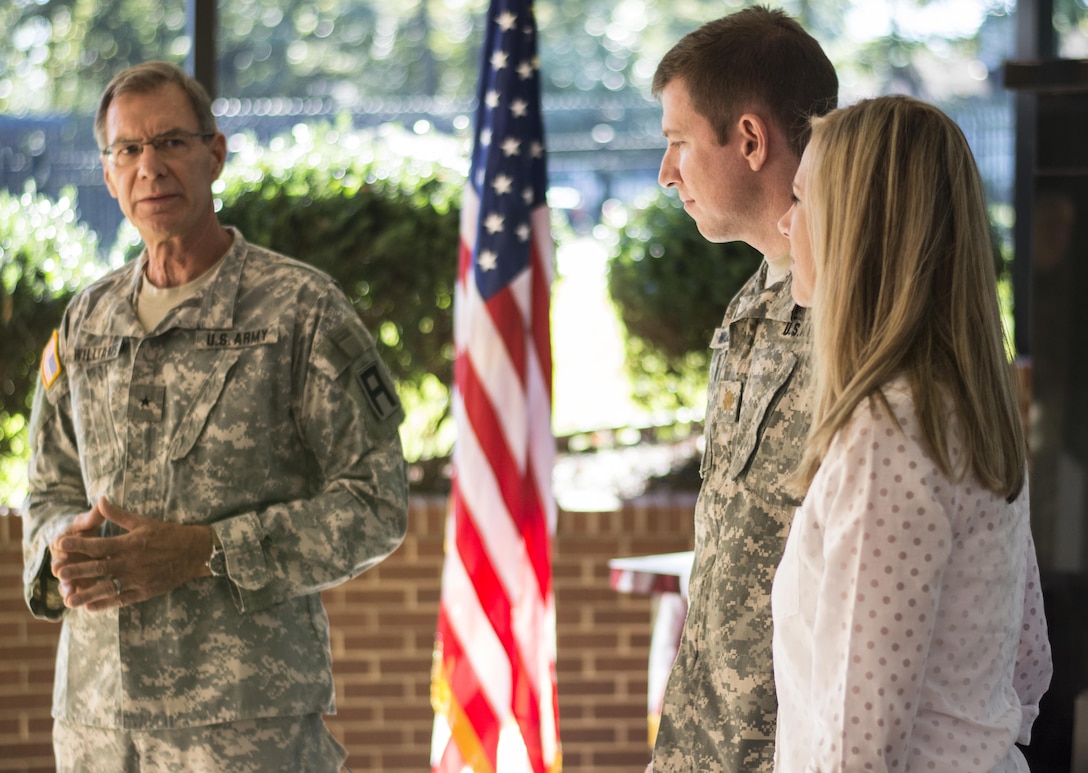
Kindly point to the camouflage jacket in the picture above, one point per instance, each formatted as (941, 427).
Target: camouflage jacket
(260, 406)
(719, 708)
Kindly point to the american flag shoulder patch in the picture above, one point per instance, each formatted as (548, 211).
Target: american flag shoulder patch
(50, 367)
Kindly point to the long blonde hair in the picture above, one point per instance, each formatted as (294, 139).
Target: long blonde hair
(906, 287)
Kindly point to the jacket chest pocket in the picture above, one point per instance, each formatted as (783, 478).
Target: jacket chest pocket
(722, 410)
(771, 432)
(94, 391)
(207, 397)
(234, 439)
(233, 399)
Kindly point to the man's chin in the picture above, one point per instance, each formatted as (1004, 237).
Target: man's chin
(706, 230)
(716, 237)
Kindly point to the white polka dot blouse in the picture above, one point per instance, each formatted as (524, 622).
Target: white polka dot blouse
(909, 632)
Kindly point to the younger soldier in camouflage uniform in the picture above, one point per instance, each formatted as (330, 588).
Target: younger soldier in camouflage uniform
(214, 442)
(736, 95)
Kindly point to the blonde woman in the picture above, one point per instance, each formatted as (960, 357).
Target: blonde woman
(908, 621)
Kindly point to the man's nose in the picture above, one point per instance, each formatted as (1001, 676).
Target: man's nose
(669, 175)
(151, 163)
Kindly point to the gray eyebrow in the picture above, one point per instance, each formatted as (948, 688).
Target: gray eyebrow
(160, 134)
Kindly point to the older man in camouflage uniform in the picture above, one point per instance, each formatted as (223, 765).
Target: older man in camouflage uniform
(215, 440)
(736, 95)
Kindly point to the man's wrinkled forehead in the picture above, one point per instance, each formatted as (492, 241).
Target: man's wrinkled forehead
(145, 113)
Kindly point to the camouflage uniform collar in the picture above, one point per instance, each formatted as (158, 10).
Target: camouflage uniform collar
(115, 314)
(782, 307)
(216, 310)
(775, 302)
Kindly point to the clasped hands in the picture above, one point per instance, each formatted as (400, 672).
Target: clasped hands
(152, 558)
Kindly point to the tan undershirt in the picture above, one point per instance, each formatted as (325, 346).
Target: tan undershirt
(154, 303)
(777, 268)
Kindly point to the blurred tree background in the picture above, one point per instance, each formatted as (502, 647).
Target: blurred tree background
(60, 54)
(671, 287)
(46, 255)
(57, 55)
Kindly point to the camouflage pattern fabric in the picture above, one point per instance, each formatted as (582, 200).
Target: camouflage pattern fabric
(260, 406)
(719, 708)
(290, 745)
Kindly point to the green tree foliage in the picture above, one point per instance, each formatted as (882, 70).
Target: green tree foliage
(379, 211)
(46, 254)
(59, 55)
(347, 50)
(671, 287)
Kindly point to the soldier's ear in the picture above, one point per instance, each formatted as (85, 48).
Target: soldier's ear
(218, 145)
(753, 134)
(109, 180)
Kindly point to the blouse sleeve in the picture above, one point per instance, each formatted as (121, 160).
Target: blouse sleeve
(886, 542)
(1034, 667)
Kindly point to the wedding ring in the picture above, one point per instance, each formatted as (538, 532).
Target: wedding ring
(116, 585)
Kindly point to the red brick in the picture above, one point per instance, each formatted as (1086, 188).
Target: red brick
(605, 663)
(407, 712)
(378, 738)
(607, 616)
(360, 694)
(427, 596)
(40, 753)
(398, 618)
(594, 640)
(40, 727)
(352, 667)
(614, 710)
(353, 715)
(413, 573)
(413, 760)
(595, 736)
(581, 686)
(633, 759)
(423, 641)
(371, 642)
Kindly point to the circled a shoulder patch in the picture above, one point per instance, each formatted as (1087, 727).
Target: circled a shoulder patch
(50, 366)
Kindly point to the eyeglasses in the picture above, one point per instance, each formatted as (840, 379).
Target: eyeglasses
(169, 146)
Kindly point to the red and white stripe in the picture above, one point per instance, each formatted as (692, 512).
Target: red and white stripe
(496, 630)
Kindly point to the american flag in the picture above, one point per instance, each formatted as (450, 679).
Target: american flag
(494, 689)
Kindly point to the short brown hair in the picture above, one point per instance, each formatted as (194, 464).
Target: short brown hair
(755, 59)
(149, 76)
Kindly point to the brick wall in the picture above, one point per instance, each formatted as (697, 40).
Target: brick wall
(382, 634)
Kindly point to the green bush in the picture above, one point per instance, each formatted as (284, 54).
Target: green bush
(671, 288)
(46, 254)
(378, 211)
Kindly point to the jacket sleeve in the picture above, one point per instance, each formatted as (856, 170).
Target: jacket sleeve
(347, 416)
(56, 487)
